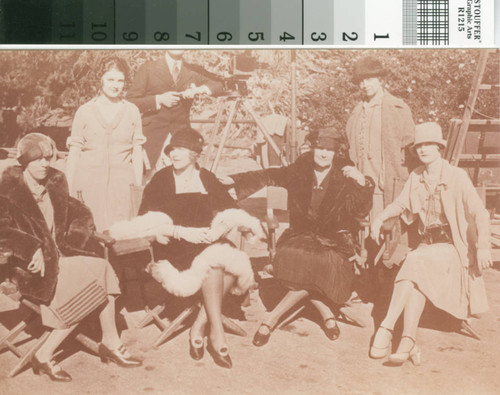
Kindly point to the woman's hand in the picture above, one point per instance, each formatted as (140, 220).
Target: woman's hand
(375, 229)
(195, 235)
(76, 141)
(355, 174)
(484, 260)
(37, 263)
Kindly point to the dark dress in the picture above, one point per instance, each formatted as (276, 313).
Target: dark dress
(313, 254)
(186, 209)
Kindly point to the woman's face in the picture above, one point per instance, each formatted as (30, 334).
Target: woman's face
(112, 82)
(428, 152)
(323, 157)
(182, 158)
(371, 86)
(39, 168)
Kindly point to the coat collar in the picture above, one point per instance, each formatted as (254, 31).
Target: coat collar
(305, 181)
(13, 186)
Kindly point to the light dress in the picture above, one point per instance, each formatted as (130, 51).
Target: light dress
(104, 172)
(436, 269)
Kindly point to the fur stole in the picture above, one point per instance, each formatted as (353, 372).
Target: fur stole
(218, 255)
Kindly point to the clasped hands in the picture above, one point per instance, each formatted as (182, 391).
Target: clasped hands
(192, 235)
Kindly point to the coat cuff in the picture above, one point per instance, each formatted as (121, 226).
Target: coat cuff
(22, 245)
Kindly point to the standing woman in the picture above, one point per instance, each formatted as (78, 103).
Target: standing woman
(105, 148)
(327, 197)
(445, 268)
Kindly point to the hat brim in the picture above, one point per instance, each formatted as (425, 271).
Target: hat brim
(442, 143)
(370, 74)
(170, 147)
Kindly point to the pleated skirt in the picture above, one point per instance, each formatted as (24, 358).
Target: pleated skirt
(302, 262)
(83, 285)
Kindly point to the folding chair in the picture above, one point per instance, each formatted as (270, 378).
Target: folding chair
(9, 340)
(124, 249)
(277, 200)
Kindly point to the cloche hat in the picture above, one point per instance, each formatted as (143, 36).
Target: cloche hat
(428, 132)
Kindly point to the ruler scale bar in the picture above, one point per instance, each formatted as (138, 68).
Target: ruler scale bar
(337, 23)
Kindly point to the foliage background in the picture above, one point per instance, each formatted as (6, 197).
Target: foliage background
(434, 83)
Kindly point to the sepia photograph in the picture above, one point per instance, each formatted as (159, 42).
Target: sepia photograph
(250, 221)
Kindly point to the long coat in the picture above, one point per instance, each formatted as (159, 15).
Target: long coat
(468, 219)
(154, 78)
(345, 202)
(398, 132)
(23, 230)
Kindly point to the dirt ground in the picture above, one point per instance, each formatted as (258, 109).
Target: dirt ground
(298, 358)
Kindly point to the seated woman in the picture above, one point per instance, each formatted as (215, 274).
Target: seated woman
(47, 230)
(445, 268)
(192, 197)
(327, 197)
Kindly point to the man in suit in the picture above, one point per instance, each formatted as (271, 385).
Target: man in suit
(164, 91)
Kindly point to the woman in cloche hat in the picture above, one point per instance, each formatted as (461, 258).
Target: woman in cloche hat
(47, 231)
(327, 197)
(194, 258)
(445, 269)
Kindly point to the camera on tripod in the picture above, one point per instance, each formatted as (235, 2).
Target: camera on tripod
(242, 68)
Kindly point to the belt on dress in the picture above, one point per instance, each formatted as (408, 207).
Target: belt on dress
(437, 234)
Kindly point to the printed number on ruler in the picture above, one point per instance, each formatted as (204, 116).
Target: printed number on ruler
(286, 36)
(196, 38)
(255, 36)
(224, 36)
(130, 36)
(161, 36)
(67, 30)
(315, 36)
(347, 37)
(98, 34)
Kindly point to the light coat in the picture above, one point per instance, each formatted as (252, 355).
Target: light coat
(468, 219)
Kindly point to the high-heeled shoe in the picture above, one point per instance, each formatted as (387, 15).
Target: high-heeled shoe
(259, 339)
(332, 333)
(118, 356)
(381, 351)
(51, 369)
(196, 349)
(399, 358)
(221, 357)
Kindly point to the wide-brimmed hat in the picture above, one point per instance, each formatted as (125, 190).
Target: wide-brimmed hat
(367, 67)
(328, 137)
(35, 146)
(428, 132)
(187, 138)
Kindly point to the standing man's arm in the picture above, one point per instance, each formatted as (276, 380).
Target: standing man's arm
(215, 88)
(139, 94)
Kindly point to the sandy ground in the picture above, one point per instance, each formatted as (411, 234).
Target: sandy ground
(298, 359)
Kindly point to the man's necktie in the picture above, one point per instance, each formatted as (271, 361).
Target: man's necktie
(176, 70)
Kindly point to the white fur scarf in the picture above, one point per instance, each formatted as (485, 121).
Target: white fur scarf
(218, 255)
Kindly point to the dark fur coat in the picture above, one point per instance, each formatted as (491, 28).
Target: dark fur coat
(23, 230)
(345, 202)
